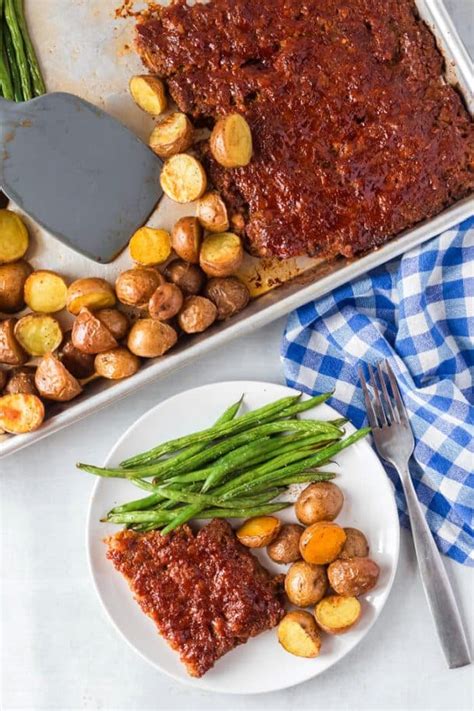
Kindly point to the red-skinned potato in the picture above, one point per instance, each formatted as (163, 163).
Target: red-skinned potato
(228, 294)
(11, 352)
(90, 335)
(355, 576)
(115, 321)
(116, 364)
(189, 277)
(22, 380)
(54, 381)
(135, 287)
(80, 364)
(91, 292)
(12, 282)
(166, 302)
(149, 338)
(186, 237)
(197, 314)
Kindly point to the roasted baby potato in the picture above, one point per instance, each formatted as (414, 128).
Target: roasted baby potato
(259, 531)
(228, 294)
(285, 547)
(212, 212)
(90, 335)
(189, 277)
(231, 141)
(221, 254)
(166, 302)
(148, 93)
(149, 338)
(186, 238)
(3, 378)
(305, 583)
(116, 364)
(336, 614)
(355, 576)
(13, 237)
(92, 292)
(135, 287)
(322, 542)
(197, 314)
(183, 178)
(321, 501)
(79, 364)
(38, 334)
(20, 413)
(171, 136)
(22, 380)
(356, 545)
(54, 381)
(11, 352)
(149, 246)
(116, 322)
(45, 292)
(12, 283)
(299, 635)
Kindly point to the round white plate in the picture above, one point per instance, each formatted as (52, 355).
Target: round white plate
(261, 664)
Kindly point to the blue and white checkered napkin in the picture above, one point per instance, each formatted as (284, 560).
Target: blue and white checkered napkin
(419, 312)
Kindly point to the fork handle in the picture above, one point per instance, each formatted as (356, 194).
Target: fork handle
(435, 581)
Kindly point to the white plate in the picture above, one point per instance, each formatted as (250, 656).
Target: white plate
(260, 665)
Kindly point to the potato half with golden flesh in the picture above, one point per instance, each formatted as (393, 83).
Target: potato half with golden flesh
(11, 352)
(54, 381)
(172, 135)
(186, 237)
(337, 614)
(231, 141)
(20, 413)
(148, 92)
(189, 277)
(299, 635)
(22, 380)
(285, 547)
(149, 338)
(166, 302)
(221, 254)
(197, 314)
(90, 335)
(45, 292)
(116, 364)
(306, 583)
(79, 364)
(12, 284)
(228, 294)
(322, 542)
(38, 334)
(13, 237)
(355, 576)
(183, 178)
(136, 286)
(356, 545)
(150, 246)
(259, 531)
(212, 212)
(92, 292)
(321, 501)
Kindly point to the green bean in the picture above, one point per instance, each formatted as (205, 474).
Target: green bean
(6, 86)
(156, 517)
(284, 481)
(240, 513)
(259, 416)
(35, 72)
(305, 405)
(208, 500)
(138, 504)
(15, 74)
(22, 62)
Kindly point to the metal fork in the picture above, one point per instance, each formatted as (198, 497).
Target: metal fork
(394, 441)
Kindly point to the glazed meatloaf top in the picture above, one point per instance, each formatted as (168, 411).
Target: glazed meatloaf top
(357, 136)
(206, 593)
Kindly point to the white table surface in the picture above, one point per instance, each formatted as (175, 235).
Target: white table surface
(58, 650)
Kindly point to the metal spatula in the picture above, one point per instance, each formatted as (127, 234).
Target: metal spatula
(77, 171)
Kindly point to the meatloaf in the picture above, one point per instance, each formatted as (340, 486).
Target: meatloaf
(357, 135)
(206, 593)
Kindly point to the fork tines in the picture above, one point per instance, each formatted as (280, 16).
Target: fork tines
(383, 408)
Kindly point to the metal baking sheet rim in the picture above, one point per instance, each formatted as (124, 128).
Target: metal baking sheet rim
(269, 307)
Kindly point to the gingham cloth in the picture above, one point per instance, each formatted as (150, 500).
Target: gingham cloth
(418, 311)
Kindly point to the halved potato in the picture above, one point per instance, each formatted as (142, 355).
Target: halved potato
(212, 212)
(92, 292)
(45, 292)
(13, 237)
(231, 141)
(135, 287)
(299, 635)
(38, 334)
(183, 178)
(336, 614)
(322, 542)
(148, 93)
(11, 352)
(79, 364)
(259, 531)
(172, 135)
(20, 413)
(221, 254)
(149, 338)
(149, 246)
(54, 381)
(90, 335)
(116, 364)
(12, 283)
(186, 238)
